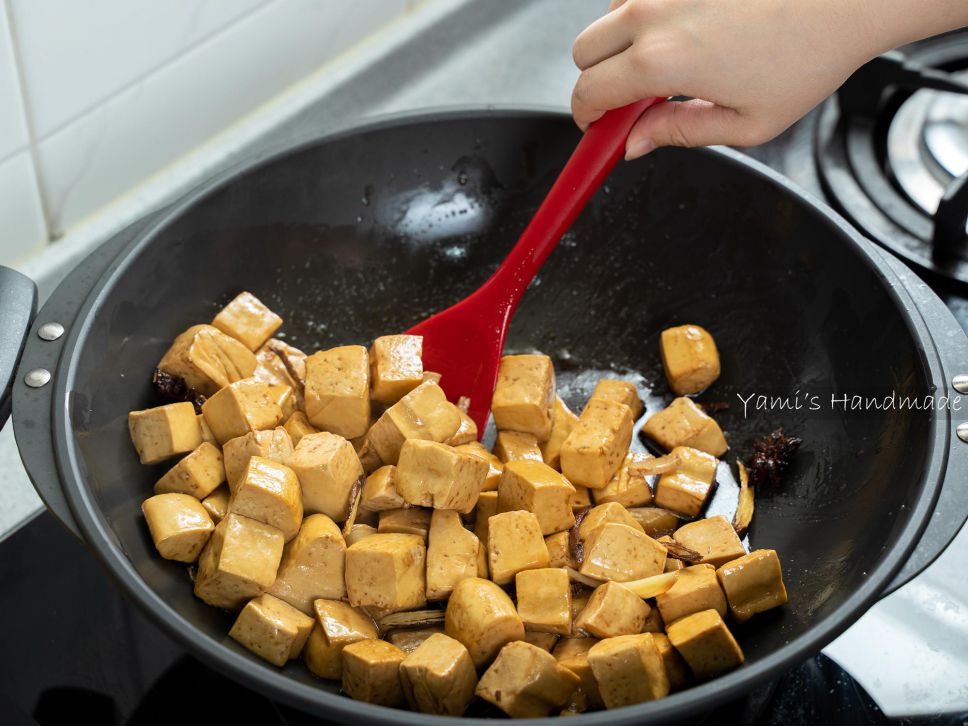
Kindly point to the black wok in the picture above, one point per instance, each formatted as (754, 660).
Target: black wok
(366, 231)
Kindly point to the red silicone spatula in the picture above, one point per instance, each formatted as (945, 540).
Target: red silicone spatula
(464, 342)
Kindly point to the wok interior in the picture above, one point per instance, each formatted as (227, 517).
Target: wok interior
(364, 235)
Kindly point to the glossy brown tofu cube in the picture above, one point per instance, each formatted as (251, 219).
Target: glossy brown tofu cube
(687, 489)
(396, 366)
(435, 475)
(337, 391)
(524, 395)
(387, 571)
(494, 466)
(485, 509)
(406, 520)
(409, 640)
(337, 625)
(613, 610)
(559, 550)
(514, 543)
(683, 423)
(563, 420)
(282, 366)
(608, 513)
(465, 433)
(371, 672)
(714, 538)
(273, 444)
(163, 432)
(655, 521)
(526, 682)
(515, 446)
(582, 499)
(272, 629)
(535, 487)
(596, 447)
(610, 389)
(482, 617)
(312, 565)
(453, 554)
(285, 396)
(247, 320)
(545, 641)
(380, 490)
(544, 599)
(424, 413)
(753, 584)
(675, 666)
(358, 532)
(438, 677)
(328, 470)
(572, 653)
(179, 525)
(690, 359)
(696, 589)
(629, 669)
(672, 563)
(207, 359)
(239, 408)
(298, 426)
(217, 504)
(627, 487)
(269, 492)
(705, 643)
(654, 622)
(621, 553)
(198, 474)
(207, 435)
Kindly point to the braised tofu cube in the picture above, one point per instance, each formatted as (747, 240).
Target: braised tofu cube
(247, 320)
(272, 629)
(179, 525)
(207, 359)
(562, 422)
(674, 664)
(753, 584)
(686, 490)
(610, 389)
(535, 487)
(273, 444)
(582, 499)
(424, 413)
(217, 504)
(654, 622)
(358, 532)
(298, 426)
(337, 626)
(371, 672)
(438, 677)
(559, 550)
(453, 553)
(482, 617)
(515, 446)
(337, 391)
(714, 538)
(608, 513)
(396, 366)
(690, 359)
(514, 544)
(572, 653)
(524, 395)
(387, 571)
(629, 669)
(672, 564)
(494, 465)
(328, 470)
(596, 447)
(683, 423)
(655, 521)
(485, 509)
(285, 397)
(207, 435)
(613, 610)
(409, 640)
(312, 565)
(621, 553)
(281, 365)
(696, 589)
(705, 643)
(239, 408)
(526, 682)
(465, 433)
(269, 493)
(380, 490)
(435, 475)
(407, 520)
(627, 487)
(544, 600)
(239, 562)
(163, 432)
(545, 641)
(198, 474)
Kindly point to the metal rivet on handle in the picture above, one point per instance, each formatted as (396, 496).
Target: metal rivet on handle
(37, 378)
(960, 383)
(52, 331)
(962, 432)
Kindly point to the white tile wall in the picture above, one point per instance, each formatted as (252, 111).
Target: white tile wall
(22, 230)
(13, 130)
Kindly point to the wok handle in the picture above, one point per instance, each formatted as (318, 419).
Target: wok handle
(18, 305)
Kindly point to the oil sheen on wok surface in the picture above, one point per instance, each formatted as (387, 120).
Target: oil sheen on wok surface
(362, 236)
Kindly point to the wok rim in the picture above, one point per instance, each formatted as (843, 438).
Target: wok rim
(274, 683)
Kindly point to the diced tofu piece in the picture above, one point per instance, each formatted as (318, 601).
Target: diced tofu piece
(453, 553)
(675, 666)
(683, 423)
(409, 640)
(535, 487)
(207, 435)
(207, 359)
(238, 563)
(582, 498)
(515, 446)
(596, 447)
(672, 563)
(495, 467)
(753, 584)
(269, 493)
(514, 543)
(198, 474)
(164, 431)
(432, 377)
(298, 426)
(559, 550)
(705, 643)
(217, 504)
(686, 490)
(280, 364)
(485, 509)
(714, 538)
(526, 682)
(466, 432)
(337, 390)
(435, 475)
(337, 626)
(380, 490)
(396, 366)
(247, 320)
(179, 525)
(239, 408)
(328, 470)
(613, 610)
(545, 641)
(696, 589)
(358, 532)
(272, 629)
(406, 520)
(619, 552)
(273, 444)
(608, 513)
(579, 599)
(654, 623)
(629, 669)
(285, 397)
(655, 521)
(438, 677)
(572, 653)
(544, 599)
(525, 394)
(610, 389)
(482, 617)
(562, 422)
(312, 565)
(424, 413)
(371, 672)
(626, 487)
(690, 359)
(387, 571)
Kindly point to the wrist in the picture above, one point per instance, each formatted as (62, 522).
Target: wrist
(898, 22)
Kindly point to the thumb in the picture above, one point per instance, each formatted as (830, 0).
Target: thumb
(686, 123)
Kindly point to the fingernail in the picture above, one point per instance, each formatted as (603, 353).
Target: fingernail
(639, 147)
